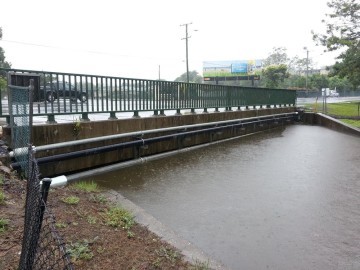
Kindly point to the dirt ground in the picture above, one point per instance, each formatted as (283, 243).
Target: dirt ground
(108, 247)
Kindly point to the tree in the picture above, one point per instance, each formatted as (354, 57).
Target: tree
(274, 75)
(277, 57)
(343, 32)
(3, 64)
(194, 77)
(318, 81)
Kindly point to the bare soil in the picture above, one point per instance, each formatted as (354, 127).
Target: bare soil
(111, 247)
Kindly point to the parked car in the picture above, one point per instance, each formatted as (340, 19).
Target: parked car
(60, 89)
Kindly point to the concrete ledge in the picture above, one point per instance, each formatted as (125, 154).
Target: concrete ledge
(191, 253)
(329, 122)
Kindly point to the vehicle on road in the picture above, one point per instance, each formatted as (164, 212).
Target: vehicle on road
(60, 89)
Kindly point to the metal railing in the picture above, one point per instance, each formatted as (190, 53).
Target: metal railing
(58, 93)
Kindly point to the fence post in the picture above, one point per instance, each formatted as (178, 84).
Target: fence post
(46, 182)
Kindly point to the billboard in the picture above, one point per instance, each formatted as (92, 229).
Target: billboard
(231, 68)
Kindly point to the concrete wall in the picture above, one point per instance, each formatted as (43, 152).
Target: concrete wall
(55, 133)
(329, 122)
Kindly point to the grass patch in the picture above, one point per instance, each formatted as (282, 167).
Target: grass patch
(86, 186)
(168, 253)
(354, 123)
(4, 224)
(199, 265)
(71, 200)
(340, 109)
(98, 198)
(119, 217)
(343, 109)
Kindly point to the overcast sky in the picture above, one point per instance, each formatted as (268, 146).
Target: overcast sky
(133, 38)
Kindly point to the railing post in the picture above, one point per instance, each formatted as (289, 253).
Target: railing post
(112, 116)
(85, 117)
(51, 119)
(136, 114)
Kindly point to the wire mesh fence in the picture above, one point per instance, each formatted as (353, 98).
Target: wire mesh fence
(21, 121)
(42, 246)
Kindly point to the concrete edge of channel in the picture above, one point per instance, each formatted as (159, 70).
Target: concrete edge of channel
(191, 253)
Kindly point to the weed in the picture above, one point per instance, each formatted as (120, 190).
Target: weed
(119, 217)
(61, 225)
(91, 219)
(76, 127)
(71, 200)
(80, 250)
(2, 197)
(100, 250)
(130, 234)
(86, 186)
(156, 263)
(199, 265)
(4, 223)
(98, 198)
(170, 254)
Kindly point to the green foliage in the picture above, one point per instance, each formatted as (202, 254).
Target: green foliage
(273, 75)
(80, 250)
(168, 253)
(71, 200)
(318, 81)
(199, 265)
(60, 225)
(3, 63)
(86, 186)
(119, 217)
(343, 32)
(4, 223)
(343, 109)
(98, 198)
(91, 219)
(194, 77)
(2, 198)
(351, 122)
(277, 57)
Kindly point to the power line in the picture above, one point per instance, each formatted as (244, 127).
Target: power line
(85, 51)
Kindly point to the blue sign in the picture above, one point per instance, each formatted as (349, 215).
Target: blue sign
(239, 67)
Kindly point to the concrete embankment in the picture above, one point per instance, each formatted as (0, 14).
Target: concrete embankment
(329, 122)
(74, 157)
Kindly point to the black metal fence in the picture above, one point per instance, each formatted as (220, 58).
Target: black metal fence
(66, 93)
(42, 246)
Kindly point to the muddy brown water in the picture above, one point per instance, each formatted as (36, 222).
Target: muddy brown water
(287, 199)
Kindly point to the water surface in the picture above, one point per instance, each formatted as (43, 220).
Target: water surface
(288, 199)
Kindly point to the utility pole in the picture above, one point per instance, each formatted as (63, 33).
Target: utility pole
(307, 67)
(187, 50)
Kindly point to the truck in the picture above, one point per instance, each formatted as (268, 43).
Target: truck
(329, 93)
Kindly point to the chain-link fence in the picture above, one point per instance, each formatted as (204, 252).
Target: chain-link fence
(20, 98)
(42, 246)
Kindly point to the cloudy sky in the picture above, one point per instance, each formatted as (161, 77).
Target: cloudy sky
(140, 37)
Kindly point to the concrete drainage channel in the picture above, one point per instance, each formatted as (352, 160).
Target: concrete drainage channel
(176, 135)
(189, 250)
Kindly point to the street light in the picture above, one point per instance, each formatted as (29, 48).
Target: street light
(187, 49)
